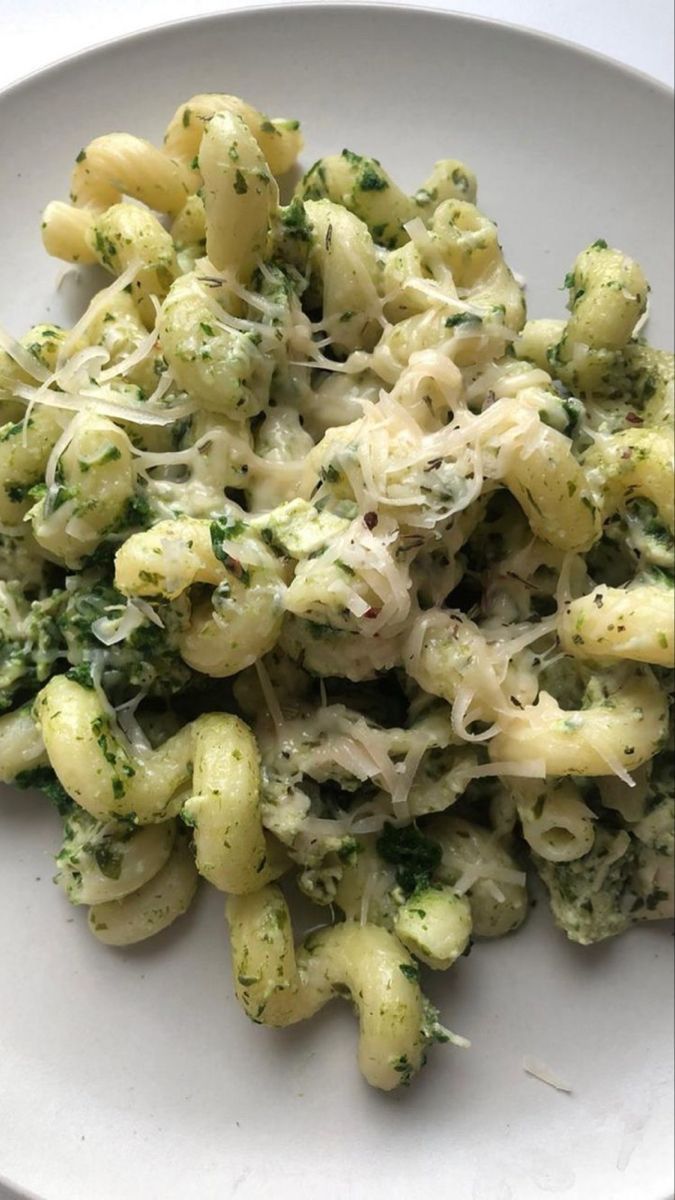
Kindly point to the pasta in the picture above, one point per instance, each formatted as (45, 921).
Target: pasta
(239, 193)
(278, 986)
(318, 560)
(151, 907)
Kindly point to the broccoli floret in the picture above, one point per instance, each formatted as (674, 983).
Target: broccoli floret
(414, 855)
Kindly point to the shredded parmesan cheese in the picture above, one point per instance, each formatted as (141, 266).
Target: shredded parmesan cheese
(117, 627)
(271, 699)
(539, 1070)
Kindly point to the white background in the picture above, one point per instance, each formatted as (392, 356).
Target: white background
(37, 32)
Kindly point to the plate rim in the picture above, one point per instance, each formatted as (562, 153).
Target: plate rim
(61, 65)
(318, 7)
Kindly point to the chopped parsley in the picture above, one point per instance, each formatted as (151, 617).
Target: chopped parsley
(462, 318)
(414, 855)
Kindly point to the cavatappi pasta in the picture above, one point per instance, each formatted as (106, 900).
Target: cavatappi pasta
(318, 561)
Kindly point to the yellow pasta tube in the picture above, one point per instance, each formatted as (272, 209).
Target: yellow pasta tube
(242, 620)
(622, 726)
(107, 860)
(550, 484)
(66, 232)
(278, 986)
(362, 186)
(125, 234)
(43, 343)
(153, 907)
(94, 481)
(450, 179)
(105, 777)
(216, 756)
(454, 657)
(634, 623)
(24, 453)
(233, 853)
(239, 193)
(120, 164)
(342, 254)
(636, 463)
(608, 294)
(435, 925)
(21, 745)
(555, 821)
(280, 140)
(470, 247)
(537, 339)
(189, 233)
(221, 368)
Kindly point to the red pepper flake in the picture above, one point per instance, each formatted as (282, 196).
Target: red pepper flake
(370, 613)
(370, 520)
(634, 419)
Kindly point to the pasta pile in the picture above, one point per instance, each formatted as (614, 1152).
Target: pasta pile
(318, 560)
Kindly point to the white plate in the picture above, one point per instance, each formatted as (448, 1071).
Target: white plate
(132, 1075)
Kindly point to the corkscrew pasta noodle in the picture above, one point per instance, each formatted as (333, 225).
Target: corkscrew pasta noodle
(319, 560)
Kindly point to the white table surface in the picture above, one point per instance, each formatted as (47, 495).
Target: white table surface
(37, 32)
